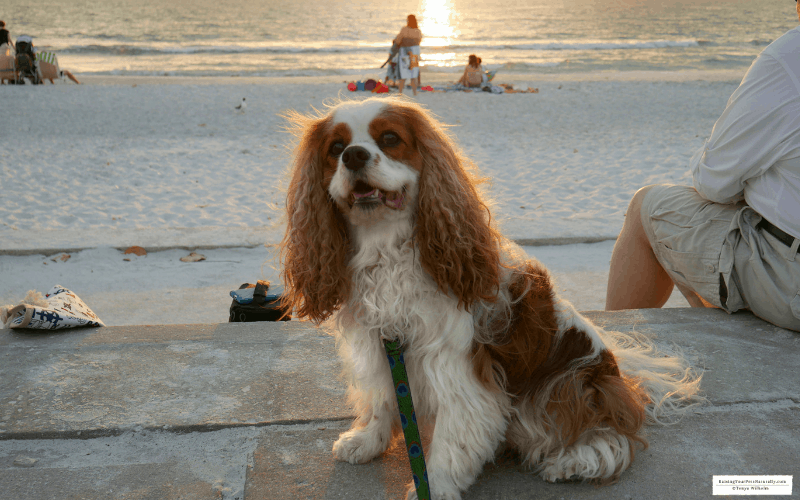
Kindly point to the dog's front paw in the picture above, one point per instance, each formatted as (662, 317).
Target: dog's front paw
(560, 470)
(359, 446)
(603, 457)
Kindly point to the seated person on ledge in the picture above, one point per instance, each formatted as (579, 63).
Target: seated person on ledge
(732, 240)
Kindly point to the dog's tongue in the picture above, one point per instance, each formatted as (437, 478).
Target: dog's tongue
(392, 199)
(364, 195)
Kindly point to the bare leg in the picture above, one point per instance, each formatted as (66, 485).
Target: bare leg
(693, 299)
(400, 84)
(636, 280)
(71, 77)
(414, 85)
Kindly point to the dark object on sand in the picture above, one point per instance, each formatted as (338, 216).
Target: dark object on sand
(25, 61)
(258, 303)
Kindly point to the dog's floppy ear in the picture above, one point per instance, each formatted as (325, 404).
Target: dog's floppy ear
(314, 248)
(458, 246)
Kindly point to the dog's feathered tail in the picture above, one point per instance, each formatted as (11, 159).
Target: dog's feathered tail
(672, 384)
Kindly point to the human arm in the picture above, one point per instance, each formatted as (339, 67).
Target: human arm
(399, 38)
(463, 79)
(758, 127)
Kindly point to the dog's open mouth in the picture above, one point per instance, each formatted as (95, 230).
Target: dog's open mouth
(367, 196)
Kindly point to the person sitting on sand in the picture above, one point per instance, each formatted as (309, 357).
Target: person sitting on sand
(731, 241)
(408, 40)
(473, 76)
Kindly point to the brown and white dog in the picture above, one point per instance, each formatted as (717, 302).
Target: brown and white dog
(388, 234)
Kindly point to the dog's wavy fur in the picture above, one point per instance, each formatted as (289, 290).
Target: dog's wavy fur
(492, 352)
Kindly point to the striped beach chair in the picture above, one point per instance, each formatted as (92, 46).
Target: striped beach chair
(48, 65)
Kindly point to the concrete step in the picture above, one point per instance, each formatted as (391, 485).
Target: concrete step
(250, 411)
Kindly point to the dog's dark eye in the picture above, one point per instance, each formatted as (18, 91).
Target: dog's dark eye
(389, 139)
(336, 149)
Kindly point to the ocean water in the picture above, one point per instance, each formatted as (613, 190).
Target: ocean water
(352, 37)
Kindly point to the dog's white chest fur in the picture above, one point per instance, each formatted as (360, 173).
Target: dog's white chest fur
(391, 291)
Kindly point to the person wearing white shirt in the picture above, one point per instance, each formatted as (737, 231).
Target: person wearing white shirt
(732, 240)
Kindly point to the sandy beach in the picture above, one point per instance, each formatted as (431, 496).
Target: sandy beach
(168, 164)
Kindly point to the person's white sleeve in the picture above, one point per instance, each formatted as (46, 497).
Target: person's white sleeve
(761, 115)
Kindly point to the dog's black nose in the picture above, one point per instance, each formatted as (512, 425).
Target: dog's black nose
(355, 157)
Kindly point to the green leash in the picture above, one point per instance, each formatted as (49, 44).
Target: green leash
(408, 418)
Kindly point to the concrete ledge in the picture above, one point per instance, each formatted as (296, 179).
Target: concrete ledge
(250, 411)
(15, 242)
(567, 240)
(152, 239)
(105, 381)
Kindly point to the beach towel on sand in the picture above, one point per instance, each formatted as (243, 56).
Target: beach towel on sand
(502, 88)
(59, 308)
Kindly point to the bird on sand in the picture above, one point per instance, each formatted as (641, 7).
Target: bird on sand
(242, 106)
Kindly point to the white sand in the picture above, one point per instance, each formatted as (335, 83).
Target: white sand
(167, 162)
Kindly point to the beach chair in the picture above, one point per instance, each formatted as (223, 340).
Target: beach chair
(48, 66)
(8, 65)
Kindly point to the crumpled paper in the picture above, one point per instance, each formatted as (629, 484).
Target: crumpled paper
(59, 308)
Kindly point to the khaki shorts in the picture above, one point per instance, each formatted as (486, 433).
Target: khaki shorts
(718, 252)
